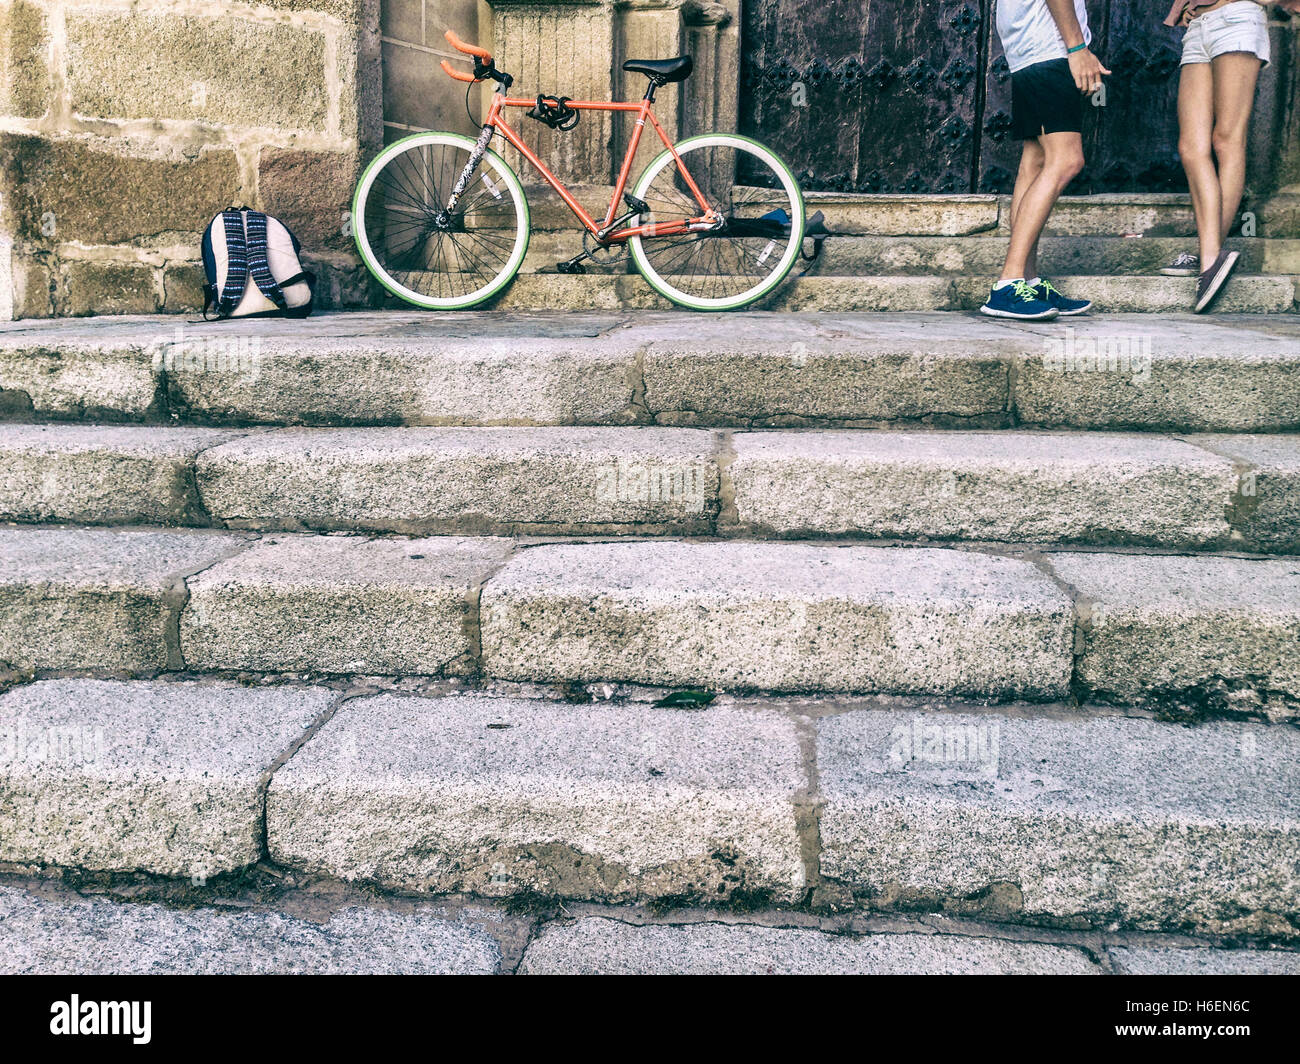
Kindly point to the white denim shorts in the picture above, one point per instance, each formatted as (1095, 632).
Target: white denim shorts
(1238, 27)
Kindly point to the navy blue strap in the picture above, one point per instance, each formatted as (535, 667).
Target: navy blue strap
(258, 263)
(236, 262)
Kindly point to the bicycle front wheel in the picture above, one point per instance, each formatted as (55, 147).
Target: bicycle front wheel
(420, 251)
(738, 261)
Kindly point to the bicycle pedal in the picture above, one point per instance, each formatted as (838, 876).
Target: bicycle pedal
(638, 206)
(570, 267)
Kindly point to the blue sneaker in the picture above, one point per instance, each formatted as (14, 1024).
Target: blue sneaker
(1066, 307)
(1018, 300)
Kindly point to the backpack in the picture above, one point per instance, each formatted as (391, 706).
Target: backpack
(239, 243)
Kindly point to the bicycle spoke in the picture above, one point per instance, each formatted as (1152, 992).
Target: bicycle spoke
(723, 265)
(426, 254)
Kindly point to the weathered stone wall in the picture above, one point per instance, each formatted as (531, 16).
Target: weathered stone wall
(126, 124)
(417, 94)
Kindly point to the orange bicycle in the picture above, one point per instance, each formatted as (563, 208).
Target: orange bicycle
(715, 222)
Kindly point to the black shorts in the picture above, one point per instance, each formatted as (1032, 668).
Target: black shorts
(1045, 99)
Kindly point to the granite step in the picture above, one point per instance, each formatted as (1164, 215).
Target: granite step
(1050, 816)
(1111, 294)
(982, 255)
(1210, 373)
(1184, 634)
(1187, 492)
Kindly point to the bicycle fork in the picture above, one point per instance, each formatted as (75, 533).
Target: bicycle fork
(462, 183)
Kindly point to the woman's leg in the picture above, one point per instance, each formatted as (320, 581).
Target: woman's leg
(1195, 149)
(1235, 75)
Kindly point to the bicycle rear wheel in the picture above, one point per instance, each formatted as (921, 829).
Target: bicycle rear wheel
(754, 248)
(418, 250)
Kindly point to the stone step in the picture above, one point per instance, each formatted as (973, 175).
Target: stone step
(766, 616)
(1195, 491)
(898, 215)
(1087, 256)
(1055, 816)
(1185, 634)
(1152, 214)
(607, 945)
(800, 617)
(1100, 819)
(851, 255)
(509, 796)
(168, 778)
(1108, 820)
(1209, 373)
(61, 935)
(1146, 294)
(597, 945)
(1008, 486)
(51, 930)
(779, 617)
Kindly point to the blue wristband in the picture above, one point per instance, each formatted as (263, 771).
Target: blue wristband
(1076, 48)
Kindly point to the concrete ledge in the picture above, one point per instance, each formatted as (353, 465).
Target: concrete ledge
(517, 379)
(101, 475)
(1189, 633)
(90, 599)
(509, 796)
(158, 777)
(76, 377)
(1216, 376)
(1168, 961)
(1212, 373)
(782, 373)
(780, 617)
(475, 481)
(341, 604)
(1009, 486)
(94, 936)
(598, 946)
(1104, 820)
(1268, 494)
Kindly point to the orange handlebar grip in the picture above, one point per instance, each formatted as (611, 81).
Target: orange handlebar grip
(452, 72)
(468, 49)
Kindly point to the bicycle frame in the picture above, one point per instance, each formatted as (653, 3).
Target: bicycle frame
(604, 231)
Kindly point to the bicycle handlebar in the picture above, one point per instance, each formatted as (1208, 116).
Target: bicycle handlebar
(452, 72)
(468, 49)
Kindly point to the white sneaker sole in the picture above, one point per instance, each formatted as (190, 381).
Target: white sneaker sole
(1218, 281)
(1047, 316)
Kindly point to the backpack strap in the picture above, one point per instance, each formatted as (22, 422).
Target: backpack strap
(236, 266)
(258, 264)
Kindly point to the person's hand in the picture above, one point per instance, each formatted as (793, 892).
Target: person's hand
(1086, 69)
(1291, 7)
(1194, 11)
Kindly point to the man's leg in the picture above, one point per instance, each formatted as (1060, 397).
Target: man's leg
(1062, 160)
(1031, 165)
(1195, 128)
(1234, 76)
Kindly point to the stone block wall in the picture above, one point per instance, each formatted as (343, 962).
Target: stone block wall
(126, 124)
